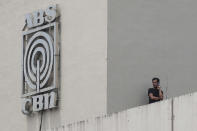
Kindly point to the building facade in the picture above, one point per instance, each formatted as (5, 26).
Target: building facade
(109, 52)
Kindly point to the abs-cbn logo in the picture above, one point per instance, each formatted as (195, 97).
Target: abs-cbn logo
(40, 60)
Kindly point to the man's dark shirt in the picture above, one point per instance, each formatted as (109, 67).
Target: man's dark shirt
(155, 93)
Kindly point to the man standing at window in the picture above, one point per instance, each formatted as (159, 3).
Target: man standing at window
(155, 94)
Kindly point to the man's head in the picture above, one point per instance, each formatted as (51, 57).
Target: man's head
(155, 82)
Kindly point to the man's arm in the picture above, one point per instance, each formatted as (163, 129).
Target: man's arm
(160, 93)
(153, 97)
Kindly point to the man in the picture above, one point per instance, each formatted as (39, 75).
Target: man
(155, 94)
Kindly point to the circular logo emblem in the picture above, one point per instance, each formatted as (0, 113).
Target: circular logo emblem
(38, 60)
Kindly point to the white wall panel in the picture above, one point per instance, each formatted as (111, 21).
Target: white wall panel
(185, 113)
(153, 117)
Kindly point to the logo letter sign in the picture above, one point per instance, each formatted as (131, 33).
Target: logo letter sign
(40, 60)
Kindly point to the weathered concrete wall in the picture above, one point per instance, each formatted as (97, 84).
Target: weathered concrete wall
(185, 113)
(143, 118)
(153, 117)
(148, 38)
(136, 119)
(83, 62)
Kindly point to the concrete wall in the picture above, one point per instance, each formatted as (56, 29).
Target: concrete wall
(177, 114)
(185, 113)
(83, 62)
(148, 38)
